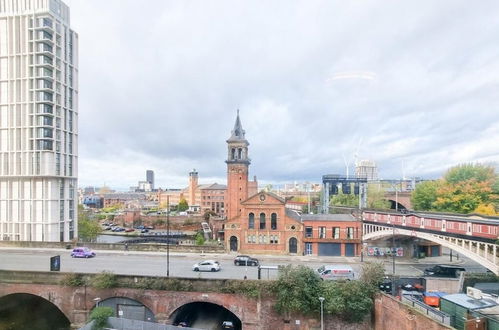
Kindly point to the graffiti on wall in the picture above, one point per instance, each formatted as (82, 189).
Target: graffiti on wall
(384, 251)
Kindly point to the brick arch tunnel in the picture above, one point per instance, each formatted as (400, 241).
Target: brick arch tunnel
(29, 311)
(201, 314)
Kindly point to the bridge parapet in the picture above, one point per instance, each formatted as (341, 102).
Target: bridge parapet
(486, 254)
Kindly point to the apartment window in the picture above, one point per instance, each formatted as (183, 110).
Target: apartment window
(61, 210)
(308, 232)
(350, 232)
(336, 232)
(262, 220)
(273, 221)
(322, 232)
(251, 221)
(58, 163)
(44, 145)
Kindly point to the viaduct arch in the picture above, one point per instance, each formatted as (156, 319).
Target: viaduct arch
(77, 302)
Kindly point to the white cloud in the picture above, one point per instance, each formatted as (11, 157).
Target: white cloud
(160, 82)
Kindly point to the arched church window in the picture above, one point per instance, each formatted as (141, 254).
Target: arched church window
(251, 221)
(233, 153)
(239, 153)
(273, 221)
(262, 220)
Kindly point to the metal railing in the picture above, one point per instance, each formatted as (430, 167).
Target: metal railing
(427, 310)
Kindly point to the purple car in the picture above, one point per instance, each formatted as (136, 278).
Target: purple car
(82, 252)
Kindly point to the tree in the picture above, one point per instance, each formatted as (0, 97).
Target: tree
(376, 197)
(182, 205)
(88, 229)
(297, 290)
(425, 195)
(342, 199)
(464, 188)
(486, 209)
(372, 274)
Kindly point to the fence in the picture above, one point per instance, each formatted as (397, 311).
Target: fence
(127, 324)
(427, 310)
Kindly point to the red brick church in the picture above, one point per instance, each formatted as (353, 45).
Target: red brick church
(257, 222)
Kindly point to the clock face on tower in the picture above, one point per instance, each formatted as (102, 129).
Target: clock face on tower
(262, 197)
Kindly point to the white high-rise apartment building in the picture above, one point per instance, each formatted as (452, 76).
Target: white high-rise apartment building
(38, 121)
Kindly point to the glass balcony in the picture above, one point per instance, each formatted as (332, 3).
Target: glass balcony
(44, 73)
(44, 109)
(44, 48)
(44, 84)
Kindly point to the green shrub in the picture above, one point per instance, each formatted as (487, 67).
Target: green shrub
(73, 279)
(248, 288)
(199, 239)
(104, 280)
(99, 315)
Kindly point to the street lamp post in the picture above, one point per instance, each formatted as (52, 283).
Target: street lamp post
(322, 312)
(167, 236)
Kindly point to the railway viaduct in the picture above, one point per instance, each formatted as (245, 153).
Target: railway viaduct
(77, 302)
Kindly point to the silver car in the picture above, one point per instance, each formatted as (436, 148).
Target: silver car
(207, 266)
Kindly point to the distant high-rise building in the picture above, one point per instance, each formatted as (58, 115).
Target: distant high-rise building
(38, 121)
(150, 178)
(366, 169)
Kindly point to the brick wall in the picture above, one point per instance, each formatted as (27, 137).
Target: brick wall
(391, 314)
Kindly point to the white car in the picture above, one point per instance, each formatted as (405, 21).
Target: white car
(207, 266)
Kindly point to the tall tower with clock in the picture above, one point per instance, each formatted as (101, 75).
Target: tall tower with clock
(237, 170)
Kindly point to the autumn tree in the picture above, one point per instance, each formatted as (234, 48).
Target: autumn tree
(182, 205)
(465, 188)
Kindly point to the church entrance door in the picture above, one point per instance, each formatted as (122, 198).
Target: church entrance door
(293, 245)
(233, 243)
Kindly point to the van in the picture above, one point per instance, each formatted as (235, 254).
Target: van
(444, 271)
(336, 272)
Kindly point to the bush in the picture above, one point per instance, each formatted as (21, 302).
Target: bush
(372, 275)
(350, 300)
(168, 284)
(297, 290)
(73, 279)
(104, 280)
(199, 239)
(251, 289)
(99, 315)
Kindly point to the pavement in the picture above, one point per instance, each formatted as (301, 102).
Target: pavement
(444, 259)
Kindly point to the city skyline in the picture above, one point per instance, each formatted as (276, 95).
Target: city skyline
(407, 85)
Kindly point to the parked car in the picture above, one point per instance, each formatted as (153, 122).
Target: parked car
(82, 252)
(129, 230)
(244, 260)
(227, 325)
(444, 271)
(143, 231)
(207, 266)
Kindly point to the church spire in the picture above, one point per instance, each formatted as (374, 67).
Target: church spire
(238, 132)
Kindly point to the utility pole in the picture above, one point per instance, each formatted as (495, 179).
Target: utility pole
(393, 247)
(167, 236)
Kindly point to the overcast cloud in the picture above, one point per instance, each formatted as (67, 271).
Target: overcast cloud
(413, 86)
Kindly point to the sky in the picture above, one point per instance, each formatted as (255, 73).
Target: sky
(411, 85)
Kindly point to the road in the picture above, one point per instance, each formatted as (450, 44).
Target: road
(155, 264)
